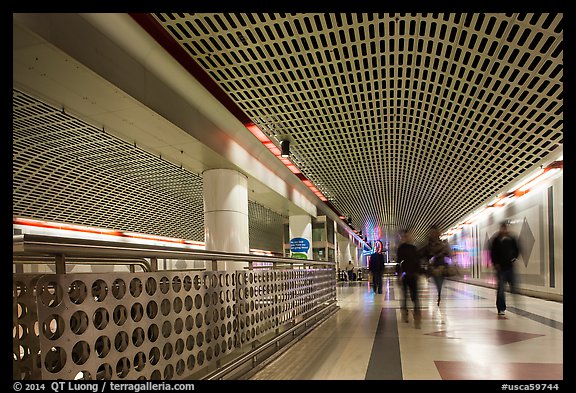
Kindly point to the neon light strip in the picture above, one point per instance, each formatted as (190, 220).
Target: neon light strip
(101, 231)
(528, 179)
(548, 172)
(261, 136)
(523, 188)
(112, 232)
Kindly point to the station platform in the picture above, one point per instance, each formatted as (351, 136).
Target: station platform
(463, 338)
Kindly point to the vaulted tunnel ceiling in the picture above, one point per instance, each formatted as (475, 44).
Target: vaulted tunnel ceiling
(400, 119)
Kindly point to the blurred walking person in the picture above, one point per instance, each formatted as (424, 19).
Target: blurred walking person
(410, 270)
(437, 251)
(504, 251)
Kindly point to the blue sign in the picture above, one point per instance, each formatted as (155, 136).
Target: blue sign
(299, 244)
(367, 250)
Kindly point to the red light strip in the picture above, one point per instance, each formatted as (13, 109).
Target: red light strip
(112, 232)
(67, 227)
(101, 231)
(259, 134)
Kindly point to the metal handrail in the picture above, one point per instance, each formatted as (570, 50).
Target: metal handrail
(43, 259)
(55, 246)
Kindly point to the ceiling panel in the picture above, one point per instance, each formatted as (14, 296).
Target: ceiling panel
(400, 119)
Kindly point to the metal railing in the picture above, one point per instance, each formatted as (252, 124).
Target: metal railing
(158, 324)
(20, 260)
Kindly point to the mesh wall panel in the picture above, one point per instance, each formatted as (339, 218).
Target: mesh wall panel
(66, 170)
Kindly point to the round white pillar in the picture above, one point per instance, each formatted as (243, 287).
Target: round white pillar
(226, 214)
(353, 252)
(300, 228)
(343, 251)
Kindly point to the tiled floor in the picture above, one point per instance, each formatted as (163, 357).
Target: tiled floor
(462, 339)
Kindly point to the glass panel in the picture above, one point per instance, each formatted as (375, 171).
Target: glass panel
(318, 232)
(319, 254)
(331, 255)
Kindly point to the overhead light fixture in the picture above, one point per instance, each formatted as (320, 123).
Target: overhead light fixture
(285, 146)
(548, 172)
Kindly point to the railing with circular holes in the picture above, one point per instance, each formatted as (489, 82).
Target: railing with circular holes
(157, 325)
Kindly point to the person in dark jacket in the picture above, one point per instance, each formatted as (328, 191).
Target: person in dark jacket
(504, 251)
(410, 270)
(376, 267)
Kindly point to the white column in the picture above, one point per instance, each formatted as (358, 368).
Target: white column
(343, 251)
(226, 214)
(300, 236)
(353, 252)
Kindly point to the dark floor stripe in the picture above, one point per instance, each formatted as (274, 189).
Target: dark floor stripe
(385, 361)
(538, 318)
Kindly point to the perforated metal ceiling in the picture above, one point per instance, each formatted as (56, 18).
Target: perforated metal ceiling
(401, 120)
(66, 170)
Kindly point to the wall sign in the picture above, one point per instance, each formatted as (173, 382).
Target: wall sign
(299, 247)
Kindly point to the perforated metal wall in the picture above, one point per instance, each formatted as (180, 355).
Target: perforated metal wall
(69, 171)
(400, 119)
(265, 228)
(25, 329)
(161, 325)
(64, 169)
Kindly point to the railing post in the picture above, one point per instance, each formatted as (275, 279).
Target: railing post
(60, 264)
